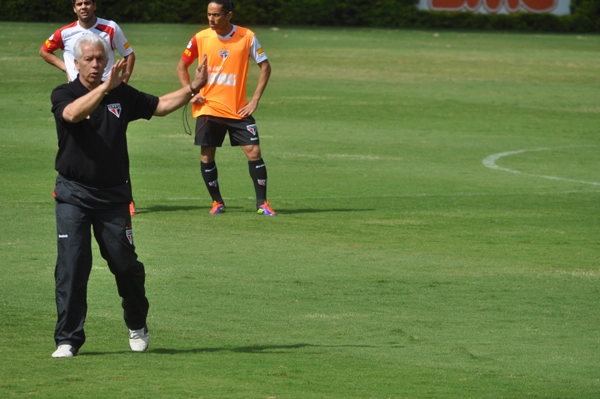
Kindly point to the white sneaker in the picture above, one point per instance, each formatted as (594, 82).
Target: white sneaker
(64, 351)
(139, 339)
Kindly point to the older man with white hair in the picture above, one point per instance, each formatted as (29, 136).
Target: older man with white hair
(92, 191)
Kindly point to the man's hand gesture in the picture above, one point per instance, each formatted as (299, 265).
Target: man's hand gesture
(116, 76)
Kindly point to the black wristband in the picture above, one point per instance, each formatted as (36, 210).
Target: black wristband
(194, 92)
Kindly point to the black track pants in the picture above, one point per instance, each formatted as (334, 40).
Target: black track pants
(79, 212)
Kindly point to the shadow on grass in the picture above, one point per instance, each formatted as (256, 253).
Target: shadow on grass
(312, 210)
(242, 349)
(253, 349)
(167, 208)
(174, 208)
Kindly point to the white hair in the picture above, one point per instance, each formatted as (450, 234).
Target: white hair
(92, 39)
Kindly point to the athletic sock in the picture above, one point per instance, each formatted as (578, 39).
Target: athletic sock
(210, 175)
(258, 173)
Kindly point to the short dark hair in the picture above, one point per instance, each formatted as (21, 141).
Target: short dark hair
(226, 5)
(75, 1)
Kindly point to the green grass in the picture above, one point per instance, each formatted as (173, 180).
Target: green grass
(399, 265)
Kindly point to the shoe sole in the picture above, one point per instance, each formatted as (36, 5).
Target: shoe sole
(263, 213)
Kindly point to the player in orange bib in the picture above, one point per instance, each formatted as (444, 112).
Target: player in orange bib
(221, 106)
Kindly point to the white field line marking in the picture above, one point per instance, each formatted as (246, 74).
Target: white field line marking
(490, 162)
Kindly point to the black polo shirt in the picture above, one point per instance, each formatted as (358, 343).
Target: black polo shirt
(93, 152)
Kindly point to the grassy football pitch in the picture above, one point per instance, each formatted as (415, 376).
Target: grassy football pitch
(437, 236)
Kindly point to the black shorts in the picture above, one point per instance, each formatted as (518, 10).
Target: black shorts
(211, 130)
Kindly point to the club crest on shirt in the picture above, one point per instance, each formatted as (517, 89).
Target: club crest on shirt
(223, 54)
(252, 129)
(115, 109)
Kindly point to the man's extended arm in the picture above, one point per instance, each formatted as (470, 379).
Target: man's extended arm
(184, 78)
(172, 101)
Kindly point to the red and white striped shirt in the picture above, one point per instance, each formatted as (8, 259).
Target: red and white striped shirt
(64, 38)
